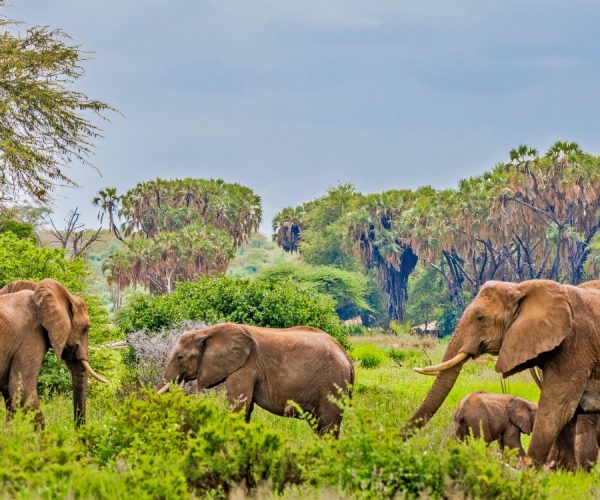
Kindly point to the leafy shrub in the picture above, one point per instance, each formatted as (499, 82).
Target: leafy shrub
(400, 328)
(272, 303)
(406, 357)
(348, 289)
(22, 259)
(196, 443)
(54, 377)
(369, 355)
(372, 461)
(481, 476)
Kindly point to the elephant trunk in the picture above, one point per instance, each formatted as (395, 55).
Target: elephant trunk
(443, 384)
(80, 382)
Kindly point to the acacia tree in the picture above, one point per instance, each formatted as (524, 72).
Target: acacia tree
(44, 123)
(108, 201)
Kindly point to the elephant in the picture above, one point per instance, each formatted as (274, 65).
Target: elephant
(270, 367)
(533, 323)
(500, 417)
(33, 318)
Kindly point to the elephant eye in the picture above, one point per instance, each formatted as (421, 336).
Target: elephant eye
(180, 357)
(480, 318)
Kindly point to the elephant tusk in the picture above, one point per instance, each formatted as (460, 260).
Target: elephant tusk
(423, 372)
(182, 383)
(435, 369)
(163, 389)
(89, 369)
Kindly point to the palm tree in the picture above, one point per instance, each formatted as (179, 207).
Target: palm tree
(108, 201)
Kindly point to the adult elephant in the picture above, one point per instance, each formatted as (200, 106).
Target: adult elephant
(266, 366)
(33, 318)
(533, 323)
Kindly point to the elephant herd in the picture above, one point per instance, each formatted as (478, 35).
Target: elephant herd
(534, 324)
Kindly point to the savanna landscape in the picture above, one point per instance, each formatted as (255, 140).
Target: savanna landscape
(488, 284)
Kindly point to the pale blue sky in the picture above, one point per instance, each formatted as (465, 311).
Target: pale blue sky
(292, 97)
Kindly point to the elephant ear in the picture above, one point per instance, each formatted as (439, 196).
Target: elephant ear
(226, 348)
(543, 319)
(54, 307)
(522, 414)
(17, 286)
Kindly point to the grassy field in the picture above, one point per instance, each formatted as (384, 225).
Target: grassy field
(139, 445)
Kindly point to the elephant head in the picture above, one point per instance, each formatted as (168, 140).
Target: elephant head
(517, 322)
(208, 356)
(65, 318)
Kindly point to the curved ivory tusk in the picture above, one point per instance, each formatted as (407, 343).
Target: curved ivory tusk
(89, 369)
(163, 389)
(435, 369)
(423, 372)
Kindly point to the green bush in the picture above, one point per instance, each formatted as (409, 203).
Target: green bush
(406, 357)
(349, 289)
(196, 443)
(272, 303)
(369, 355)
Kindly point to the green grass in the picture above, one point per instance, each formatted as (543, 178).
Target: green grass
(140, 449)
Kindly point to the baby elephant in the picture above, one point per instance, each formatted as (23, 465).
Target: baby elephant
(267, 366)
(501, 417)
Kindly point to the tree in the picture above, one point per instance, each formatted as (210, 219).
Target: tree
(108, 201)
(73, 237)
(44, 123)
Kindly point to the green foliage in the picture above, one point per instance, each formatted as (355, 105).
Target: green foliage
(45, 124)
(255, 255)
(196, 443)
(348, 289)
(174, 446)
(21, 230)
(469, 465)
(54, 377)
(406, 357)
(22, 259)
(369, 355)
(400, 327)
(273, 303)
(427, 296)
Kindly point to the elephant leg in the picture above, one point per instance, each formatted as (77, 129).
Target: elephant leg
(511, 438)
(565, 446)
(23, 393)
(329, 417)
(239, 387)
(586, 440)
(7, 403)
(558, 401)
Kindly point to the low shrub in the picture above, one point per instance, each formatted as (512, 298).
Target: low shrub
(406, 357)
(369, 355)
(196, 443)
(400, 327)
(272, 303)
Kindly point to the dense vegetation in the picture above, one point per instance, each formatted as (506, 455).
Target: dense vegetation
(143, 445)
(535, 216)
(273, 303)
(185, 228)
(44, 122)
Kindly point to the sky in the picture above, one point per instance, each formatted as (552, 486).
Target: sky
(291, 97)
